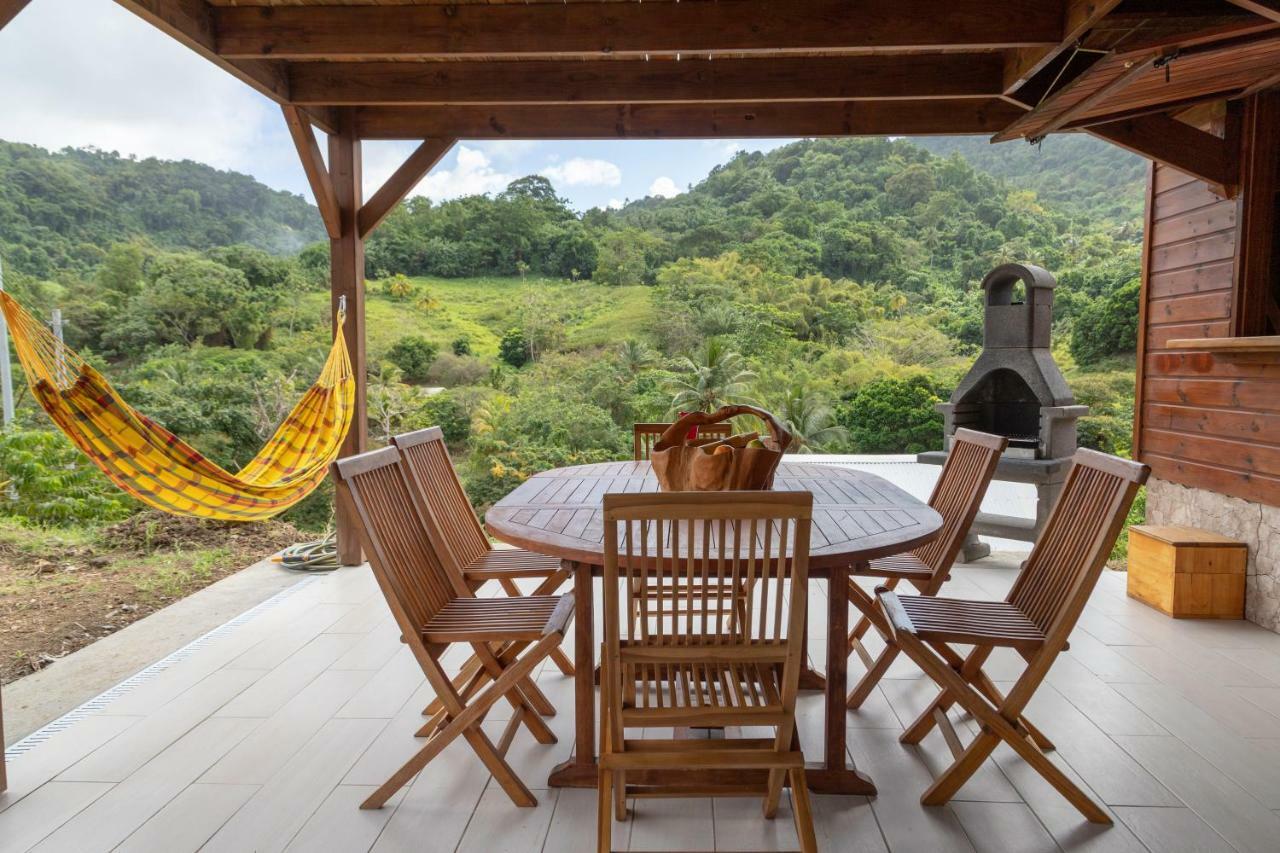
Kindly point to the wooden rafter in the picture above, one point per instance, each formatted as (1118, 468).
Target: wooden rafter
(639, 81)
(1156, 79)
(631, 29)
(687, 121)
(9, 9)
(304, 139)
(1203, 155)
(403, 180)
(1269, 9)
(1021, 64)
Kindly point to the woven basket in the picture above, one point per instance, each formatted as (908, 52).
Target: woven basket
(684, 465)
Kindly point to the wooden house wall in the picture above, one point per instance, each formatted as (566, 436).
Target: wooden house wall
(1204, 419)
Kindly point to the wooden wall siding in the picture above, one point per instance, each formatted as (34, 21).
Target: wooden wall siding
(1203, 420)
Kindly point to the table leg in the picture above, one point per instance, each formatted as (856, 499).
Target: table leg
(810, 678)
(835, 776)
(581, 771)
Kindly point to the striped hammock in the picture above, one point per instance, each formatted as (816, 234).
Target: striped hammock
(162, 470)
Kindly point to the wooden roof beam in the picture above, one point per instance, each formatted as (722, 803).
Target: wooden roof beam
(1269, 9)
(304, 139)
(637, 81)
(1203, 155)
(687, 121)
(404, 179)
(630, 29)
(1080, 16)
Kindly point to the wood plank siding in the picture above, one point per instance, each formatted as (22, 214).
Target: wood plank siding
(1205, 418)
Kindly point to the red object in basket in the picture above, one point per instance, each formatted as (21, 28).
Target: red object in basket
(693, 430)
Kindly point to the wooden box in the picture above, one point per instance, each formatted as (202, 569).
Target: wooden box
(1187, 573)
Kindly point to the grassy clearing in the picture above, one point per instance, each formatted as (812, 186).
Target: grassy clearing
(482, 309)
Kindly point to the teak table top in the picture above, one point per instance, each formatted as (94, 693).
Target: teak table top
(856, 516)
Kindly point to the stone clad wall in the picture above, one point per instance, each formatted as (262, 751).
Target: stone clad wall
(1255, 524)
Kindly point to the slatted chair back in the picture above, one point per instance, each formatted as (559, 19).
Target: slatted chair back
(417, 586)
(740, 585)
(1067, 559)
(644, 436)
(446, 508)
(957, 495)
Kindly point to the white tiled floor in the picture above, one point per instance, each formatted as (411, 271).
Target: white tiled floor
(267, 737)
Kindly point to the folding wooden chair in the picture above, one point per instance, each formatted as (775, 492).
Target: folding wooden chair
(643, 436)
(461, 541)
(956, 496)
(435, 608)
(1035, 619)
(728, 658)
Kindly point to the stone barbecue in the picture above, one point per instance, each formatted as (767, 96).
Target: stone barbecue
(1016, 390)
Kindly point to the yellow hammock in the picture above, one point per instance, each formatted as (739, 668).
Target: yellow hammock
(162, 470)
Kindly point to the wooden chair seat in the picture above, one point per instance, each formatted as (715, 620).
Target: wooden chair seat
(952, 620)
(511, 564)
(483, 620)
(907, 567)
(712, 694)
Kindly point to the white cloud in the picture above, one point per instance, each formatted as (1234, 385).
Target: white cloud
(616, 204)
(84, 73)
(664, 187)
(584, 172)
(473, 174)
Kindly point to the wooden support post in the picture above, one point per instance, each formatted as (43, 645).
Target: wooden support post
(346, 265)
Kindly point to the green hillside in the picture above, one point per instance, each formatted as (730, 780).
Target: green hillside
(1072, 170)
(60, 211)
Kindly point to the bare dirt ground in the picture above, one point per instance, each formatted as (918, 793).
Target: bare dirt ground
(60, 591)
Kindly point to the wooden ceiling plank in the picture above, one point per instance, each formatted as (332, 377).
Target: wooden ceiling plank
(1174, 143)
(637, 81)
(1269, 9)
(9, 10)
(630, 29)
(1080, 16)
(687, 121)
(404, 179)
(304, 139)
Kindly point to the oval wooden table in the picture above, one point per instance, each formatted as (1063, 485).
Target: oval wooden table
(856, 517)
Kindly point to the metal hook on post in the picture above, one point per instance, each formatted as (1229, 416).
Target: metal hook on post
(342, 308)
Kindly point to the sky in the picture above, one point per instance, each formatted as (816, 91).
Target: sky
(89, 73)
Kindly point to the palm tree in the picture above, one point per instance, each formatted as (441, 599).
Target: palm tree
(809, 419)
(718, 377)
(634, 356)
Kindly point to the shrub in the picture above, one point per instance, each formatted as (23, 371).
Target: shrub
(449, 413)
(514, 348)
(46, 480)
(461, 346)
(1107, 326)
(414, 355)
(893, 416)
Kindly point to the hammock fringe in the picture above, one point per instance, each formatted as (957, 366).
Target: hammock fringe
(160, 469)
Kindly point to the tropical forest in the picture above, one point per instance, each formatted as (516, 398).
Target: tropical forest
(834, 282)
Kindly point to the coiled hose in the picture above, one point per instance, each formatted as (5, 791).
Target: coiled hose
(318, 556)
